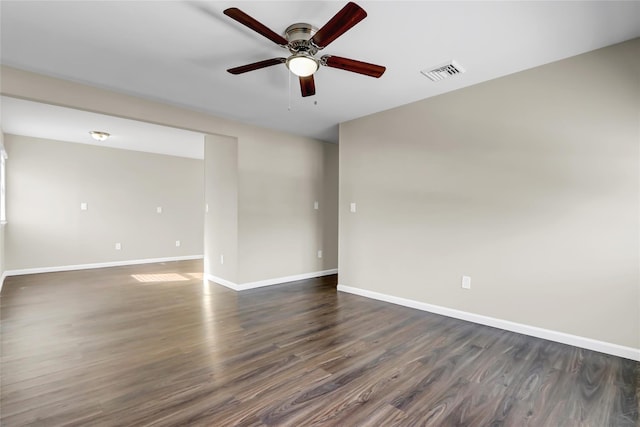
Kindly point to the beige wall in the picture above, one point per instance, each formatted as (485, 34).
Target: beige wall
(329, 207)
(528, 183)
(48, 180)
(2, 256)
(221, 196)
(261, 218)
(296, 258)
(280, 232)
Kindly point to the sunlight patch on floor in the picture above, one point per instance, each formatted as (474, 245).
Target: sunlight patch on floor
(165, 277)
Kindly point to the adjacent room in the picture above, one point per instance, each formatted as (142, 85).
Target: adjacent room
(320, 213)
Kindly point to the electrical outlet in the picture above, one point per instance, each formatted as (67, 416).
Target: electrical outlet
(83, 206)
(316, 205)
(466, 282)
(319, 254)
(177, 243)
(352, 207)
(118, 246)
(159, 209)
(221, 259)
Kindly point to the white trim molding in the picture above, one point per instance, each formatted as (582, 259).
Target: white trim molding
(98, 265)
(4, 276)
(268, 282)
(547, 334)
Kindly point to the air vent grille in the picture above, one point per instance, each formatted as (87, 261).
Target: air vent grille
(443, 71)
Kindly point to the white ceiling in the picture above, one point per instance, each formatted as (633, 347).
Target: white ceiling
(20, 117)
(177, 51)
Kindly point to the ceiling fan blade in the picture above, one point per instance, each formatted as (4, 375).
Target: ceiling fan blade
(342, 21)
(354, 66)
(308, 86)
(256, 65)
(256, 26)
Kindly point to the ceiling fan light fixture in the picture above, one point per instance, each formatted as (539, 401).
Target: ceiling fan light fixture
(302, 64)
(99, 136)
(303, 41)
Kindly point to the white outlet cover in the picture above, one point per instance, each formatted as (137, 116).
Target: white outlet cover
(159, 209)
(221, 259)
(316, 205)
(352, 207)
(83, 206)
(177, 243)
(466, 282)
(118, 246)
(319, 254)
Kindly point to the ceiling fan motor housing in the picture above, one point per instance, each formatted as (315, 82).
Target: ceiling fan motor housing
(299, 35)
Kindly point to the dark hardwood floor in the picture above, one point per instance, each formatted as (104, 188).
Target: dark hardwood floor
(154, 345)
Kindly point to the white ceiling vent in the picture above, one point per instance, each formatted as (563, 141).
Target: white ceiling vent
(443, 71)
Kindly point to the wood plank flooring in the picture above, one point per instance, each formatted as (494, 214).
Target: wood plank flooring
(153, 345)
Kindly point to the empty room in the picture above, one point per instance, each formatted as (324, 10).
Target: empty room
(380, 213)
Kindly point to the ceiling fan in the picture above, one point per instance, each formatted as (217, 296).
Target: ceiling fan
(304, 41)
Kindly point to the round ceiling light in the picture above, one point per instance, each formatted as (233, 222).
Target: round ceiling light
(99, 136)
(302, 64)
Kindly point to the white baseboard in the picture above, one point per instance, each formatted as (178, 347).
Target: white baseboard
(269, 282)
(221, 281)
(547, 334)
(4, 276)
(97, 265)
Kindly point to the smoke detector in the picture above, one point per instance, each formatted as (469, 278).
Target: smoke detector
(444, 71)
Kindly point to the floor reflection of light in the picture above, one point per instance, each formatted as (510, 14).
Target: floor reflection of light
(218, 317)
(166, 277)
(207, 313)
(206, 287)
